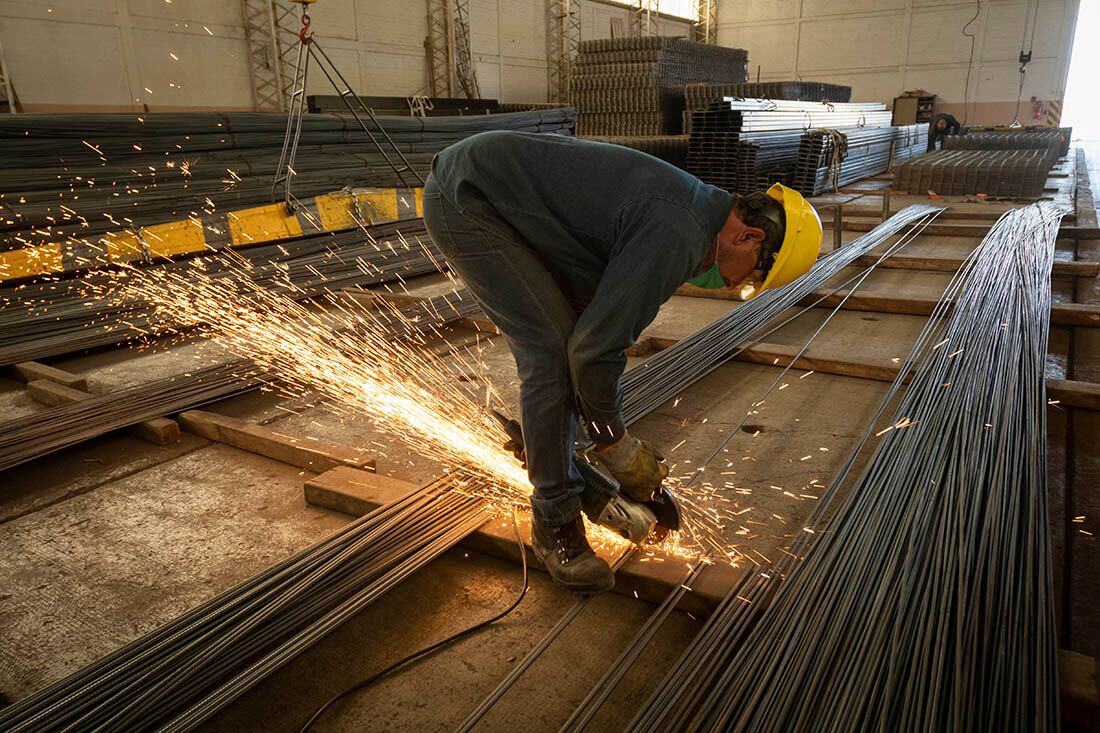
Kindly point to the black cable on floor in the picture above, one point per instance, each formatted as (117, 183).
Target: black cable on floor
(434, 647)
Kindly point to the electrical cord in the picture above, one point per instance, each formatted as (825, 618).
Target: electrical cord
(420, 654)
(969, 64)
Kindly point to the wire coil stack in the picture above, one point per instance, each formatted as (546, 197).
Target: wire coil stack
(927, 604)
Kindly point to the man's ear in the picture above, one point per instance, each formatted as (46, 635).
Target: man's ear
(751, 235)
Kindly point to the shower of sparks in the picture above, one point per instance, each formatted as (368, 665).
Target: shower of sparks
(377, 364)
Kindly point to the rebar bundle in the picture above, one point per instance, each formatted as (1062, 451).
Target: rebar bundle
(184, 672)
(53, 317)
(745, 145)
(81, 175)
(634, 86)
(822, 166)
(1001, 173)
(926, 605)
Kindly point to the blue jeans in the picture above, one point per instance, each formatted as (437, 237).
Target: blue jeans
(518, 293)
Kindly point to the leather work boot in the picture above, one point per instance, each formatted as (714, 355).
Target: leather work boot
(565, 552)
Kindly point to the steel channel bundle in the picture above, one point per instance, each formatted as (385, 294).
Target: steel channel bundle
(926, 605)
(184, 672)
(55, 317)
(1000, 173)
(744, 145)
(84, 174)
(634, 86)
(699, 97)
(868, 152)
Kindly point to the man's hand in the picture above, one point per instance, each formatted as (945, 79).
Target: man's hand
(635, 464)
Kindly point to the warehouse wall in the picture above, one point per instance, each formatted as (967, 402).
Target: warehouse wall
(129, 55)
(883, 47)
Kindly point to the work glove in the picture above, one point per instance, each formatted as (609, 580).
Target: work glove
(637, 466)
(517, 449)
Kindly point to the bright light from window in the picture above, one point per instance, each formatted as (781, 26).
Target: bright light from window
(679, 8)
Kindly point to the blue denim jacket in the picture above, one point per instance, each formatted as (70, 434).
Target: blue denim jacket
(618, 229)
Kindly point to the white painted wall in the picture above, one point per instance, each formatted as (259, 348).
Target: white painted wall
(883, 47)
(118, 54)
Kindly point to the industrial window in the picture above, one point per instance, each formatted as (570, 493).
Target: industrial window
(685, 9)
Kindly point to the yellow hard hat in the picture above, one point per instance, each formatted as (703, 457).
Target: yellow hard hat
(801, 238)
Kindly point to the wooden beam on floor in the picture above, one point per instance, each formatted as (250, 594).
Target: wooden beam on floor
(971, 230)
(1061, 392)
(158, 430)
(647, 577)
(29, 371)
(308, 453)
(1061, 268)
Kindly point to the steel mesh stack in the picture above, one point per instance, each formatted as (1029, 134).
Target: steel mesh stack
(1000, 173)
(867, 153)
(669, 148)
(746, 145)
(698, 97)
(1050, 142)
(635, 86)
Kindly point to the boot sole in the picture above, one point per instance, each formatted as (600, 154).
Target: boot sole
(585, 588)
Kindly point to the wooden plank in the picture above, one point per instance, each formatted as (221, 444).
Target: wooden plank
(159, 431)
(1061, 314)
(1063, 392)
(649, 578)
(1078, 687)
(314, 455)
(28, 371)
(1062, 268)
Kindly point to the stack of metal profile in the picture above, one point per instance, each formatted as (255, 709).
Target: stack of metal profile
(80, 175)
(745, 145)
(864, 152)
(699, 97)
(1012, 174)
(635, 86)
(669, 148)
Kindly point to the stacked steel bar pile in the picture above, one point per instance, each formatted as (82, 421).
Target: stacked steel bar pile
(1001, 173)
(863, 153)
(193, 666)
(669, 148)
(927, 604)
(745, 145)
(699, 97)
(84, 174)
(33, 436)
(422, 106)
(635, 86)
(53, 317)
(181, 674)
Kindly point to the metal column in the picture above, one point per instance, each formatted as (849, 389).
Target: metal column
(643, 18)
(263, 56)
(563, 39)
(8, 102)
(465, 71)
(705, 27)
(440, 46)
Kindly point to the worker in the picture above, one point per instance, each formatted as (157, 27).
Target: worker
(570, 247)
(941, 126)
